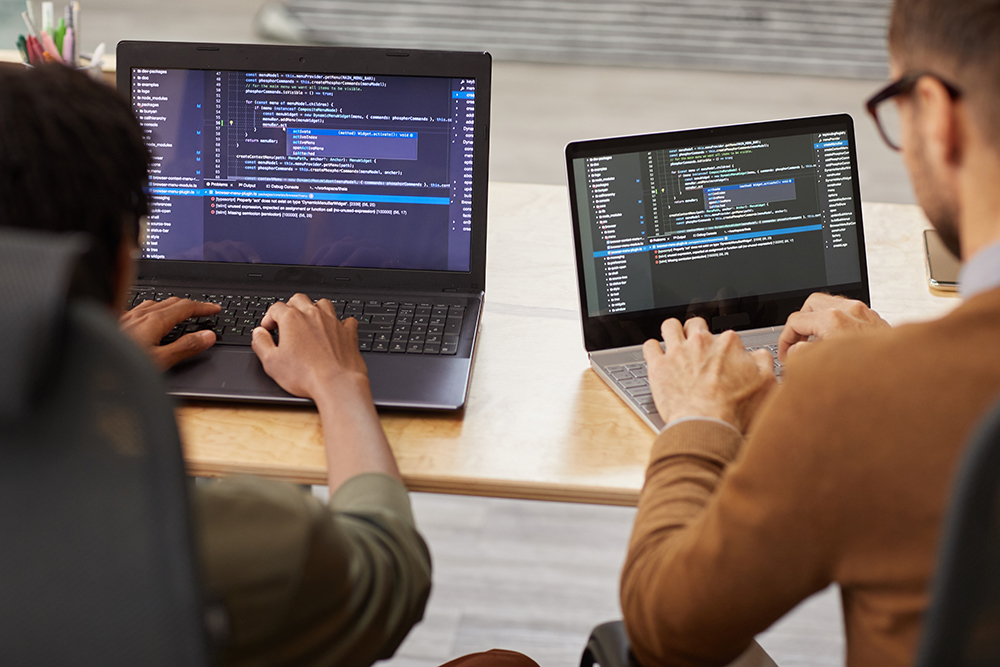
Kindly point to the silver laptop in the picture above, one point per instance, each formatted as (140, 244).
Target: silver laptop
(357, 175)
(736, 224)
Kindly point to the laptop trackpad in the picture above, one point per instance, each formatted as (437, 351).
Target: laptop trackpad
(225, 372)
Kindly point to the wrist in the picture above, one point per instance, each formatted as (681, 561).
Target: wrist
(703, 411)
(341, 389)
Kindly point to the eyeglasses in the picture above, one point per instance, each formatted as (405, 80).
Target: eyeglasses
(886, 116)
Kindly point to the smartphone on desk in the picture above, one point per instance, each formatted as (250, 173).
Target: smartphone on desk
(942, 266)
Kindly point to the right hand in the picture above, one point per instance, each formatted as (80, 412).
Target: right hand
(825, 316)
(316, 350)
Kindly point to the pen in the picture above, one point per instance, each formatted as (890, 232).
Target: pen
(67, 48)
(29, 24)
(48, 20)
(58, 34)
(75, 15)
(49, 47)
(34, 51)
(22, 47)
(31, 10)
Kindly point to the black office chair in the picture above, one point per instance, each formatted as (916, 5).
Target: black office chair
(962, 626)
(97, 565)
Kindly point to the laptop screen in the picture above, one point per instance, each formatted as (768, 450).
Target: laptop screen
(735, 224)
(336, 170)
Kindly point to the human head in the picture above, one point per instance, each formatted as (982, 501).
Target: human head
(72, 159)
(956, 41)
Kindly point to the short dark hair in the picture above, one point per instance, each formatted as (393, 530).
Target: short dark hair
(72, 159)
(956, 39)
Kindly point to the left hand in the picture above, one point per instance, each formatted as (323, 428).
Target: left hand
(150, 321)
(697, 374)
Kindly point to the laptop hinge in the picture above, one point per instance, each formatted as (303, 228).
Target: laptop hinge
(450, 289)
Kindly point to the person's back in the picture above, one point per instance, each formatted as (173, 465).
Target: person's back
(301, 583)
(758, 496)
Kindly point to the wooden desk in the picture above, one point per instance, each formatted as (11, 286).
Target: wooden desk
(539, 423)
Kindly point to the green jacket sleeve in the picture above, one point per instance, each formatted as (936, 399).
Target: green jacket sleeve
(305, 584)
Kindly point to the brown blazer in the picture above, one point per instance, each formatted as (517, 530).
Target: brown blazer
(844, 476)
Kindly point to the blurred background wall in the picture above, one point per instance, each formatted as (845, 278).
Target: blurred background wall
(830, 38)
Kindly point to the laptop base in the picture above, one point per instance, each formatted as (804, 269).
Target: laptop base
(624, 370)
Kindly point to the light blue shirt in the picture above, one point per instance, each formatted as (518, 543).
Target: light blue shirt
(981, 273)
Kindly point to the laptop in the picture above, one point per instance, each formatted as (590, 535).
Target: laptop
(356, 175)
(735, 224)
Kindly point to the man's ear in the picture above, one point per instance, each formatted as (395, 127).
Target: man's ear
(124, 272)
(942, 124)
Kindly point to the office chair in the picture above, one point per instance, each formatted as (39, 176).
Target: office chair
(608, 646)
(962, 626)
(97, 565)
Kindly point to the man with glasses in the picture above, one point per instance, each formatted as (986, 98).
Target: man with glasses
(756, 495)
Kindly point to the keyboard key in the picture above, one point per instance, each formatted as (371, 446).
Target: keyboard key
(415, 348)
(380, 346)
(453, 326)
(639, 391)
(432, 348)
(614, 369)
(397, 347)
(449, 348)
(622, 375)
(637, 382)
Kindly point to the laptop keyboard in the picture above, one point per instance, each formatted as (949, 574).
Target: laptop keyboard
(392, 327)
(633, 380)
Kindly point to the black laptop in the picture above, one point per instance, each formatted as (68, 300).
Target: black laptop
(735, 224)
(356, 175)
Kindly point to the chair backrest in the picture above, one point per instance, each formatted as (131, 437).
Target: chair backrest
(97, 565)
(962, 626)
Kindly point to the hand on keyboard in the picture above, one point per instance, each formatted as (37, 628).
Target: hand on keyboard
(150, 321)
(824, 316)
(316, 350)
(697, 374)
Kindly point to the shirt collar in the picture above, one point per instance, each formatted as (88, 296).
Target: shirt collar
(981, 273)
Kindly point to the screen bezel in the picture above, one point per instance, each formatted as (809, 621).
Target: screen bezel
(632, 328)
(332, 60)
